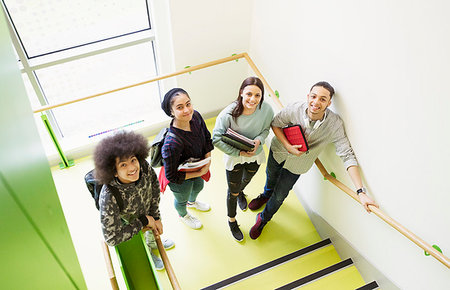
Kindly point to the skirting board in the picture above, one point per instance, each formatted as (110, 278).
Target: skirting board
(346, 250)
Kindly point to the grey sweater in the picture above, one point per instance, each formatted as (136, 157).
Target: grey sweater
(254, 126)
(331, 130)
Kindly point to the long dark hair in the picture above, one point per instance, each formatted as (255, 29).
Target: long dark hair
(237, 111)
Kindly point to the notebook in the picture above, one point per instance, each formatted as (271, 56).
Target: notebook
(295, 136)
(193, 164)
(237, 140)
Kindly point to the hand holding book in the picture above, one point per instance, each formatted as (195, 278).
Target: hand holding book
(250, 153)
(295, 136)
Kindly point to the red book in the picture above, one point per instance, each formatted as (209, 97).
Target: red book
(294, 134)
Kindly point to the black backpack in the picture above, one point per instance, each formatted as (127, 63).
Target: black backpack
(156, 146)
(95, 187)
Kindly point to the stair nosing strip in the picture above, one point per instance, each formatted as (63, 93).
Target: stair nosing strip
(369, 286)
(269, 265)
(317, 275)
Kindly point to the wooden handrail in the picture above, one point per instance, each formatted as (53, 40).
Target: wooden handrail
(390, 221)
(415, 239)
(158, 78)
(109, 267)
(266, 84)
(170, 272)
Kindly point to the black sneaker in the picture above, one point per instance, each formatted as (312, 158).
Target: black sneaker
(235, 231)
(242, 201)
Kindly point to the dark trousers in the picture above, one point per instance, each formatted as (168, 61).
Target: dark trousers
(237, 179)
(279, 181)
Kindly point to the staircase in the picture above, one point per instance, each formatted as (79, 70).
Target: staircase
(317, 266)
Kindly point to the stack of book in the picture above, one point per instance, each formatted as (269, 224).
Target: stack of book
(193, 164)
(238, 141)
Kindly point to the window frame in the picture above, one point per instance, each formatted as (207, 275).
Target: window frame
(29, 65)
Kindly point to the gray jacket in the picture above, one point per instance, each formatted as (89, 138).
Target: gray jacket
(330, 130)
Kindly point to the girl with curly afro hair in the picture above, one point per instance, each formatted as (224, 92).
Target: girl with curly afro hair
(121, 166)
(119, 146)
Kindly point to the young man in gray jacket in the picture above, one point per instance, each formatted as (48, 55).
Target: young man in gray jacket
(287, 162)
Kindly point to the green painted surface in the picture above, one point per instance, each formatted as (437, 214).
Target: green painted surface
(135, 263)
(65, 162)
(36, 247)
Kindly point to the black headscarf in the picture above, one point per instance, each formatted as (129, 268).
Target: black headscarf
(165, 104)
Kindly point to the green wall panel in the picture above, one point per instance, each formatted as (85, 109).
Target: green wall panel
(27, 177)
(26, 262)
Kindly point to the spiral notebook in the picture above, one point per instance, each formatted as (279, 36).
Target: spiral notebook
(294, 134)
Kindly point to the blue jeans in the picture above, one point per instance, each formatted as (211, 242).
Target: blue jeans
(187, 191)
(279, 181)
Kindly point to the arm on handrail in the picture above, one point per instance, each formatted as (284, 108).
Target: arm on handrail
(353, 171)
(390, 221)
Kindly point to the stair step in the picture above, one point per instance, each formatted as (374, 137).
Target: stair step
(345, 277)
(321, 253)
(370, 286)
(287, 272)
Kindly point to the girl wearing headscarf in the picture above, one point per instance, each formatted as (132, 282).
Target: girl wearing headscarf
(193, 140)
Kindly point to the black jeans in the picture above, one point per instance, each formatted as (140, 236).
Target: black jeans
(237, 179)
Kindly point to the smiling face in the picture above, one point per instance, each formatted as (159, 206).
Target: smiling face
(182, 109)
(318, 101)
(251, 96)
(127, 169)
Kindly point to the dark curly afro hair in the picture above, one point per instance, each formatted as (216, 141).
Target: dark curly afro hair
(122, 145)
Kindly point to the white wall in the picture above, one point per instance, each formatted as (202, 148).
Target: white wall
(203, 31)
(389, 62)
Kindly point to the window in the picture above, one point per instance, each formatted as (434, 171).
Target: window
(46, 27)
(73, 49)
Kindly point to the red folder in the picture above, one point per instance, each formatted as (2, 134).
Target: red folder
(294, 134)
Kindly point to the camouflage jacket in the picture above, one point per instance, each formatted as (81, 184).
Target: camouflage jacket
(140, 198)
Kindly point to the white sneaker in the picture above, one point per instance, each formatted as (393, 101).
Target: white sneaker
(198, 205)
(159, 265)
(167, 243)
(191, 221)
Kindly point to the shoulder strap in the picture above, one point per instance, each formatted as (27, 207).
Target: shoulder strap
(115, 192)
(174, 136)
